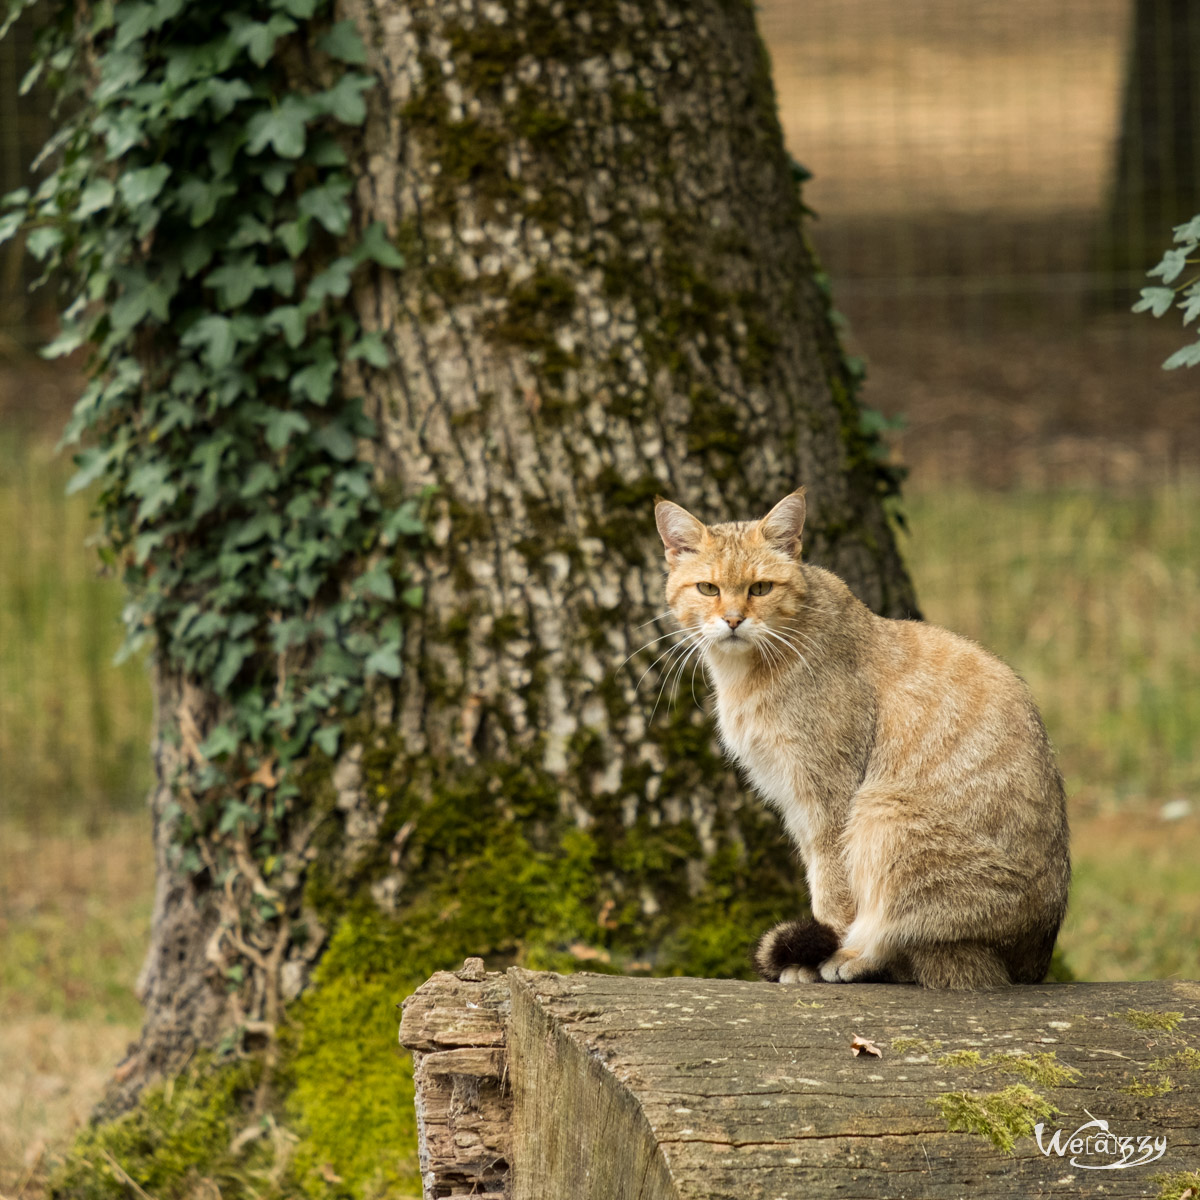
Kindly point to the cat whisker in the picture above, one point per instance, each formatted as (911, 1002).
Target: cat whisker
(654, 642)
(679, 672)
(688, 640)
(666, 612)
(791, 646)
(670, 671)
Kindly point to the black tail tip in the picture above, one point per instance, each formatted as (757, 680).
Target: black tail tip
(804, 943)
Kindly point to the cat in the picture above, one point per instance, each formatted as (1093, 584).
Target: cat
(910, 767)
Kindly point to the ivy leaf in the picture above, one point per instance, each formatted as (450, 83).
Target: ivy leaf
(344, 101)
(1189, 232)
(1156, 300)
(384, 661)
(262, 478)
(97, 196)
(223, 740)
(10, 223)
(333, 281)
(91, 463)
(336, 442)
(224, 94)
(300, 9)
(1191, 304)
(315, 382)
(236, 282)
(284, 129)
(259, 37)
(403, 520)
(199, 197)
(374, 245)
(343, 42)
(327, 738)
(294, 236)
(216, 338)
(291, 320)
(42, 241)
(281, 423)
(232, 657)
(1189, 356)
(144, 185)
(370, 347)
(377, 582)
(328, 204)
(414, 597)
(68, 341)
(1172, 264)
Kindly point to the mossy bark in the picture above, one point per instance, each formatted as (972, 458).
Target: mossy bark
(609, 294)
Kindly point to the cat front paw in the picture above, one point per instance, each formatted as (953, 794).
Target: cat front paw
(852, 966)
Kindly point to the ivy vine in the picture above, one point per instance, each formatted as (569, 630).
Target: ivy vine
(1184, 295)
(198, 214)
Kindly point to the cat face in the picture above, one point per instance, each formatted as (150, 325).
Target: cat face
(738, 585)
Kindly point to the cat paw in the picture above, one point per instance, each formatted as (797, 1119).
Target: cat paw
(799, 975)
(790, 952)
(852, 966)
(843, 967)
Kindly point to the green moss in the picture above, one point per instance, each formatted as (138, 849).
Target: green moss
(1001, 1117)
(907, 1045)
(350, 1090)
(1037, 1068)
(1187, 1059)
(1141, 1019)
(1144, 1087)
(1177, 1184)
(177, 1141)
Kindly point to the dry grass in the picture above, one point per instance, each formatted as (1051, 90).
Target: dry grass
(74, 918)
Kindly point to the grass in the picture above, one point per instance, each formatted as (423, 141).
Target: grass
(73, 729)
(1094, 597)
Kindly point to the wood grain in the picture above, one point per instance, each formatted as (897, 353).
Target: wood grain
(689, 1088)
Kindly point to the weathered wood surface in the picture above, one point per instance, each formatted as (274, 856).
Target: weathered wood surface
(686, 1088)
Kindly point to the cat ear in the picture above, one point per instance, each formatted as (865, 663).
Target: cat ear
(680, 531)
(783, 525)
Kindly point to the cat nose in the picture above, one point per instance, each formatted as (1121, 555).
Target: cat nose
(733, 620)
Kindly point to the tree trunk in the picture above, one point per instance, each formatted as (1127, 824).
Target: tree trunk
(24, 127)
(609, 295)
(1156, 176)
(531, 1085)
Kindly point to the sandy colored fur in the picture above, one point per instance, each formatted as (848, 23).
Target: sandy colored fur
(910, 767)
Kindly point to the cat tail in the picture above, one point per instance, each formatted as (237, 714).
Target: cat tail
(961, 966)
(797, 947)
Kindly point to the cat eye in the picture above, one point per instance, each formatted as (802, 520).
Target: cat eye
(708, 589)
(760, 588)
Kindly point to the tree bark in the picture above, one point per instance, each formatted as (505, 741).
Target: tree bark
(1156, 175)
(532, 1085)
(609, 295)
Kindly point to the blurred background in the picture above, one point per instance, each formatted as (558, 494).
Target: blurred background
(991, 182)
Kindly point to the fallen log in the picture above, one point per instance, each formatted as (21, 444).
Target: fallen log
(535, 1086)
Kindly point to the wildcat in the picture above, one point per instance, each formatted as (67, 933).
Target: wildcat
(910, 767)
